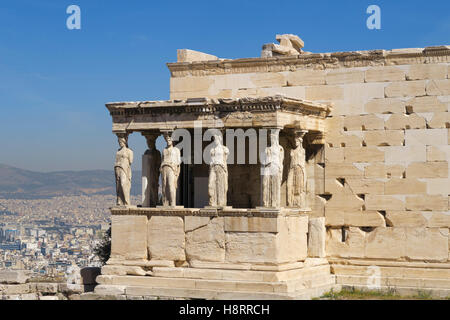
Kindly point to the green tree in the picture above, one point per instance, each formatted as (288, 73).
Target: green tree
(103, 249)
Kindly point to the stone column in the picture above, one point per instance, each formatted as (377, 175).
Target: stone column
(151, 162)
(272, 171)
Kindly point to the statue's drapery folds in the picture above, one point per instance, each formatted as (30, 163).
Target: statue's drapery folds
(122, 169)
(218, 173)
(296, 181)
(170, 171)
(273, 172)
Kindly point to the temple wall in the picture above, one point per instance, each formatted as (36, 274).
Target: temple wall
(382, 179)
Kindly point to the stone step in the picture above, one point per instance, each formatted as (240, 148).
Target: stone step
(291, 286)
(373, 281)
(431, 273)
(244, 275)
(130, 292)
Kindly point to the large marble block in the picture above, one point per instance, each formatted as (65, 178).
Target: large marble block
(166, 238)
(129, 237)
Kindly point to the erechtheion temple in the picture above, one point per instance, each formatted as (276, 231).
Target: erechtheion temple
(286, 176)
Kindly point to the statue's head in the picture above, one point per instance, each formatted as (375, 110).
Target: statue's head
(274, 136)
(298, 141)
(298, 138)
(168, 139)
(217, 138)
(123, 141)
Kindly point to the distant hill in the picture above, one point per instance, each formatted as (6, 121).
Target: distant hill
(17, 183)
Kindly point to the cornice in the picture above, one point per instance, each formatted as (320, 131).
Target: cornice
(318, 61)
(212, 106)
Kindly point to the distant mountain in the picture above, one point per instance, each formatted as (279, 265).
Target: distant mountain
(24, 184)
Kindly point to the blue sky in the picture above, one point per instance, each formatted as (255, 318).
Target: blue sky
(54, 82)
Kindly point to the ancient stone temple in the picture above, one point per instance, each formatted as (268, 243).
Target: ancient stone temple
(287, 175)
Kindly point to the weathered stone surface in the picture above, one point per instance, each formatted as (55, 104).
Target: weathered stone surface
(129, 237)
(70, 289)
(405, 186)
(427, 244)
(438, 153)
(344, 199)
(363, 122)
(316, 237)
(207, 243)
(363, 219)
(405, 219)
(123, 270)
(242, 247)
(426, 71)
(195, 222)
(48, 298)
(384, 138)
(405, 121)
(438, 186)
(438, 88)
(292, 241)
(344, 76)
(166, 238)
(289, 245)
(363, 154)
(14, 276)
(271, 79)
(380, 170)
(186, 55)
(351, 245)
(305, 77)
(356, 95)
(110, 290)
(12, 289)
(324, 93)
(427, 203)
(385, 73)
(416, 152)
(384, 202)
(43, 287)
(405, 89)
(334, 155)
(425, 104)
(251, 224)
(386, 243)
(365, 186)
(347, 139)
(439, 220)
(194, 85)
(439, 120)
(338, 170)
(436, 169)
(385, 106)
(354, 219)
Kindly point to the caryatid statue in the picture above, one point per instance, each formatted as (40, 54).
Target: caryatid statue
(151, 162)
(170, 170)
(273, 171)
(122, 169)
(296, 181)
(218, 173)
